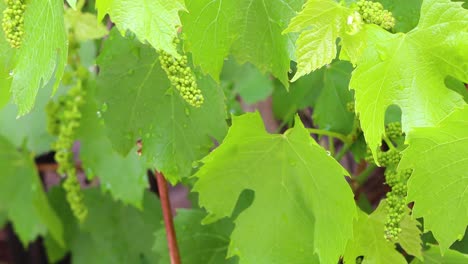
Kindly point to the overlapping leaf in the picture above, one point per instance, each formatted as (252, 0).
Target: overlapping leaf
(438, 185)
(303, 207)
(197, 243)
(22, 198)
(369, 240)
(433, 256)
(155, 22)
(123, 176)
(112, 233)
(251, 30)
(321, 23)
(43, 52)
(85, 26)
(326, 90)
(409, 70)
(30, 130)
(140, 104)
(247, 81)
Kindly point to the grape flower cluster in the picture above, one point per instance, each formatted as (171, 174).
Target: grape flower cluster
(13, 22)
(64, 118)
(395, 179)
(374, 13)
(181, 77)
(396, 201)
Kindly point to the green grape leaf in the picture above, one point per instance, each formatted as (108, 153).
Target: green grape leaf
(438, 157)
(303, 207)
(406, 13)
(43, 52)
(140, 104)
(85, 26)
(330, 111)
(112, 232)
(22, 198)
(369, 240)
(321, 23)
(250, 30)
(432, 256)
(155, 22)
(30, 130)
(197, 243)
(124, 177)
(409, 70)
(248, 81)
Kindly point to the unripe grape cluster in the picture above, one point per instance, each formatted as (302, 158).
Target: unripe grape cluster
(393, 130)
(396, 201)
(396, 180)
(64, 119)
(13, 22)
(388, 158)
(181, 77)
(374, 13)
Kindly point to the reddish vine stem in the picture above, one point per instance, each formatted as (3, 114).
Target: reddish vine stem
(167, 214)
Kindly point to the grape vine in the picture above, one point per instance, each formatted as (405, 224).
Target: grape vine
(13, 22)
(181, 77)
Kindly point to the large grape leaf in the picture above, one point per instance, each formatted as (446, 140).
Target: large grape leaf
(320, 22)
(197, 243)
(155, 22)
(123, 176)
(22, 198)
(409, 70)
(369, 240)
(250, 29)
(439, 158)
(112, 232)
(43, 52)
(141, 104)
(433, 256)
(303, 208)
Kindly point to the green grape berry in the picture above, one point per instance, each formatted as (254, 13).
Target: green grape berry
(64, 118)
(181, 77)
(374, 13)
(13, 22)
